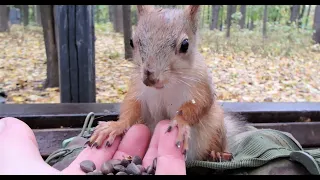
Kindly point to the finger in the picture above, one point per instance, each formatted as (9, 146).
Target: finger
(152, 151)
(170, 160)
(97, 156)
(19, 151)
(134, 143)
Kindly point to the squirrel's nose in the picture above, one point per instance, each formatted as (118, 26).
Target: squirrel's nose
(147, 73)
(149, 78)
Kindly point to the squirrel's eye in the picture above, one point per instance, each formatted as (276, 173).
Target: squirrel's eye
(184, 46)
(131, 43)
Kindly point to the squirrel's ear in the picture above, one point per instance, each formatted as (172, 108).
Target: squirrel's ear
(192, 12)
(143, 9)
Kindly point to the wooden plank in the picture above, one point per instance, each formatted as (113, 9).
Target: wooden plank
(85, 52)
(61, 28)
(57, 115)
(73, 55)
(75, 27)
(308, 134)
(73, 115)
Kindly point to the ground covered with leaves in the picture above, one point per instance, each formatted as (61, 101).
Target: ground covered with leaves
(246, 68)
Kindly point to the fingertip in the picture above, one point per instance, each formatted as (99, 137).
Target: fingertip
(135, 142)
(152, 151)
(167, 142)
(170, 158)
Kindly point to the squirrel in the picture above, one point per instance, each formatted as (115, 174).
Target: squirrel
(171, 81)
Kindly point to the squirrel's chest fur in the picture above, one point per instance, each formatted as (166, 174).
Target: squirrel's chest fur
(162, 104)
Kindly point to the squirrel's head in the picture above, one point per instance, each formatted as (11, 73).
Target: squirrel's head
(164, 43)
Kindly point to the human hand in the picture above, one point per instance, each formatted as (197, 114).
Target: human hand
(170, 160)
(19, 152)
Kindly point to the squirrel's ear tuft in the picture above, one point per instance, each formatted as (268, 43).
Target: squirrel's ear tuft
(192, 12)
(144, 9)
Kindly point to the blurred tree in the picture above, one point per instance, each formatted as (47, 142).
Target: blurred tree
(118, 19)
(215, 17)
(221, 17)
(4, 18)
(48, 26)
(111, 12)
(316, 25)
(38, 15)
(295, 9)
(229, 13)
(308, 14)
(265, 19)
(301, 15)
(127, 27)
(251, 25)
(25, 13)
(243, 9)
(234, 9)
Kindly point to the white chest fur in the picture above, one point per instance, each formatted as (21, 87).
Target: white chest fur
(162, 104)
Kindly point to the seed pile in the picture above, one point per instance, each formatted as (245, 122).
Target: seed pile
(126, 166)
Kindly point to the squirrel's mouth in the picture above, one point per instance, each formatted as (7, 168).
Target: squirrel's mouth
(158, 85)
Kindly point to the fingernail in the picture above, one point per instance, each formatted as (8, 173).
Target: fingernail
(2, 124)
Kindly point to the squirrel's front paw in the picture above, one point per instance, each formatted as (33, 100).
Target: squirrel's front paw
(111, 129)
(183, 133)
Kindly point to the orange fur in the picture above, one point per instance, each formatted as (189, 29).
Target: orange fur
(130, 109)
(210, 133)
(193, 110)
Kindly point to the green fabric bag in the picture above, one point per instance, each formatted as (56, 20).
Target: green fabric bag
(258, 147)
(257, 151)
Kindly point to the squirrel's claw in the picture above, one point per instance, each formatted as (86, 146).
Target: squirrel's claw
(108, 129)
(183, 133)
(221, 156)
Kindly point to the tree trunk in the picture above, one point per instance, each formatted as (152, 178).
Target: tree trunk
(251, 26)
(316, 25)
(111, 12)
(118, 21)
(229, 13)
(202, 11)
(234, 9)
(208, 14)
(48, 27)
(221, 19)
(277, 18)
(33, 13)
(38, 15)
(265, 19)
(302, 12)
(4, 18)
(127, 33)
(242, 21)
(215, 17)
(25, 12)
(308, 14)
(295, 9)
